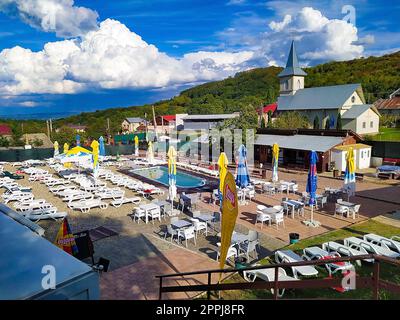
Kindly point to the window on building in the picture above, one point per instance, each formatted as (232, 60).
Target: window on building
(364, 125)
(298, 84)
(286, 84)
(371, 124)
(353, 99)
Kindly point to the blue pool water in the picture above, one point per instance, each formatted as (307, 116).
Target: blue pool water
(160, 174)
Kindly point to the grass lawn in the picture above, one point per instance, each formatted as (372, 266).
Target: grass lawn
(387, 134)
(388, 272)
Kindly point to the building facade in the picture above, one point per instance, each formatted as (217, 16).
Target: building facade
(130, 125)
(324, 105)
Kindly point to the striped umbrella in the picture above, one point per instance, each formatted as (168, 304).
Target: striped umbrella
(65, 240)
(350, 174)
(242, 177)
(102, 148)
(312, 181)
(275, 159)
(223, 169)
(172, 174)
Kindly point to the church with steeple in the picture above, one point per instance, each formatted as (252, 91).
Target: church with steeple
(327, 107)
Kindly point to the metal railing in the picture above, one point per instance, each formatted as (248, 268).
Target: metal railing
(374, 281)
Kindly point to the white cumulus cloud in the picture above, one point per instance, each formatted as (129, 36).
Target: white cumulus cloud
(110, 57)
(60, 16)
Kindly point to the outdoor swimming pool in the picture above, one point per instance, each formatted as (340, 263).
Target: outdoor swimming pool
(160, 175)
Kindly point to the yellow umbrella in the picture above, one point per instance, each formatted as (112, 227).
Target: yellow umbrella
(172, 160)
(350, 174)
(66, 147)
(95, 151)
(275, 159)
(223, 169)
(136, 146)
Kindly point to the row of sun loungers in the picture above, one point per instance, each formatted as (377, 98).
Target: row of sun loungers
(351, 246)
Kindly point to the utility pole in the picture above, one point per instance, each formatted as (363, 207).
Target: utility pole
(108, 125)
(154, 120)
(51, 128)
(48, 128)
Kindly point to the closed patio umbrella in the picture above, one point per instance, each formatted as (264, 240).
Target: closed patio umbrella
(95, 158)
(223, 169)
(150, 154)
(350, 174)
(78, 140)
(172, 175)
(66, 147)
(56, 151)
(275, 159)
(102, 148)
(136, 146)
(312, 183)
(242, 178)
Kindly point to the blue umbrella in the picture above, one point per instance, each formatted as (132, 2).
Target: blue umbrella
(102, 149)
(78, 140)
(242, 177)
(312, 180)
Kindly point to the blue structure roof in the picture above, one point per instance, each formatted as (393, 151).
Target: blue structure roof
(22, 257)
(330, 97)
(356, 111)
(292, 65)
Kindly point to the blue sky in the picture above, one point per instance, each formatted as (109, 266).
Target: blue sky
(100, 54)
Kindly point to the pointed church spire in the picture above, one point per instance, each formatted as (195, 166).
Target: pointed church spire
(292, 65)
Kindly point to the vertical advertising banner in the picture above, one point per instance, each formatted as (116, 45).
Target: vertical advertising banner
(229, 215)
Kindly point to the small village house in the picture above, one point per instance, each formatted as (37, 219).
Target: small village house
(130, 125)
(164, 124)
(322, 105)
(266, 110)
(390, 106)
(5, 130)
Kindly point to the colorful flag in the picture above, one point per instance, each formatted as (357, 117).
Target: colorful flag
(65, 239)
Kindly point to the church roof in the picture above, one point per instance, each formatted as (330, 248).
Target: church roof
(292, 65)
(329, 97)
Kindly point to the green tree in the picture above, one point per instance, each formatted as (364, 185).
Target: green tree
(66, 135)
(316, 122)
(263, 125)
(290, 120)
(339, 122)
(327, 124)
(4, 142)
(269, 119)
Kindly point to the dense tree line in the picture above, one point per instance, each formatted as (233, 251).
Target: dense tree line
(246, 91)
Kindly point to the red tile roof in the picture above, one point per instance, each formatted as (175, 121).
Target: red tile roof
(5, 130)
(270, 107)
(169, 118)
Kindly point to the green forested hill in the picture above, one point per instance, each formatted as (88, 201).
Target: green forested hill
(379, 77)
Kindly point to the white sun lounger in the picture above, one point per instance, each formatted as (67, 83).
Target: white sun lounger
(316, 253)
(86, 205)
(61, 188)
(18, 196)
(43, 214)
(75, 195)
(345, 251)
(392, 244)
(114, 193)
(119, 202)
(287, 256)
(269, 276)
(381, 249)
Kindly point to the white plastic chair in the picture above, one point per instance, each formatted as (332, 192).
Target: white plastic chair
(187, 234)
(341, 209)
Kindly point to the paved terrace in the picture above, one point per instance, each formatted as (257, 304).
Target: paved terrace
(138, 252)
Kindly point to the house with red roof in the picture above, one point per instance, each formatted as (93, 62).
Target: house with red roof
(268, 109)
(164, 124)
(5, 130)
